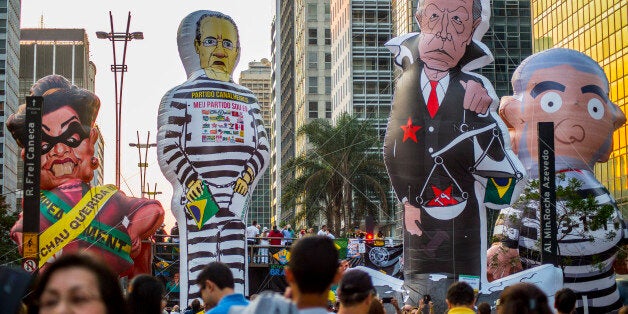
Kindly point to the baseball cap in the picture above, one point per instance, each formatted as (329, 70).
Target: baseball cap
(355, 281)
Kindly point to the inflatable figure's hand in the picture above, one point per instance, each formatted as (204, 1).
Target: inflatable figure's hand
(243, 182)
(502, 261)
(476, 97)
(412, 215)
(195, 189)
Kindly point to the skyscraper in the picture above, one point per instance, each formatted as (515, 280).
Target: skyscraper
(9, 62)
(361, 69)
(600, 30)
(257, 79)
(283, 133)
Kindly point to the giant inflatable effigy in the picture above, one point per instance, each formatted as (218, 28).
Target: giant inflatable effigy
(570, 89)
(75, 216)
(212, 147)
(447, 151)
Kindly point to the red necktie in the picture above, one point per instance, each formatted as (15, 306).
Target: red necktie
(432, 101)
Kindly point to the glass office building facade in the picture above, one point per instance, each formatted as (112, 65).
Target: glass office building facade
(598, 28)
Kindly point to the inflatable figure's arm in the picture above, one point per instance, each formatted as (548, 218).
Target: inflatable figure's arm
(476, 97)
(503, 257)
(259, 155)
(412, 219)
(143, 224)
(16, 232)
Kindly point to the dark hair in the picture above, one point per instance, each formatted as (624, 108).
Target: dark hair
(195, 305)
(107, 280)
(58, 92)
(460, 293)
(218, 273)
(219, 15)
(314, 263)
(145, 295)
(523, 298)
(565, 300)
(254, 222)
(484, 308)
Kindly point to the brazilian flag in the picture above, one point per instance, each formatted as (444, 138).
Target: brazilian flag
(499, 190)
(203, 207)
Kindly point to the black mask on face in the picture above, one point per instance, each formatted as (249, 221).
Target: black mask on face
(67, 137)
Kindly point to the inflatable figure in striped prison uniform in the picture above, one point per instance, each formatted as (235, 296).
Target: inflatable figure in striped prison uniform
(213, 147)
(570, 89)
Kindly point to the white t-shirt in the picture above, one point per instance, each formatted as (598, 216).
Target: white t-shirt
(252, 232)
(321, 233)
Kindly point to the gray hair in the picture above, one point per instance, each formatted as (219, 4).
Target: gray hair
(219, 15)
(550, 58)
(476, 9)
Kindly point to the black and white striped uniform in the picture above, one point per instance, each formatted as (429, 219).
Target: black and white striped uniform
(191, 116)
(586, 256)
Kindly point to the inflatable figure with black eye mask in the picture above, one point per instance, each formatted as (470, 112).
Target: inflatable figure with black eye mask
(74, 215)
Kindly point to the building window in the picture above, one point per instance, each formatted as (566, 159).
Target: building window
(327, 36)
(312, 60)
(327, 61)
(328, 110)
(311, 12)
(328, 85)
(312, 36)
(313, 85)
(313, 110)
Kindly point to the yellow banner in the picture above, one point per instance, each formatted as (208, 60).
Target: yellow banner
(73, 223)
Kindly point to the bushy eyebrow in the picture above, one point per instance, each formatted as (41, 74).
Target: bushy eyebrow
(595, 90)
(545, 86)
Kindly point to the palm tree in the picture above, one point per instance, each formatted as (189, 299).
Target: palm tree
(342, 175)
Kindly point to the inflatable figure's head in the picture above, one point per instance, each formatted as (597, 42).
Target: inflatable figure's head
(570, 89)
(213, 39)
(68, 133)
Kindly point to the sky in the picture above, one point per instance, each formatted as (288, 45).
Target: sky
(153, 64)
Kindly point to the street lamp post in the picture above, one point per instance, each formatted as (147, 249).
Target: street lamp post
(143, 165)
(119, 68)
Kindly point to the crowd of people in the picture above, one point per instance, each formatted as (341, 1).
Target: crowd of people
(80, 283)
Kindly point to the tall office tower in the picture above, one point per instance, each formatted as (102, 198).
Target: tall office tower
(257, 79)
(283, 139)
(600, 30)
(361, 67)
(403, 17)
(46, 51)
(9, 62)
(274, 129)
(312, 73)
(509, 38)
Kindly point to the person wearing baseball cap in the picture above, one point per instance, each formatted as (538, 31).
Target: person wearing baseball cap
(355, 292)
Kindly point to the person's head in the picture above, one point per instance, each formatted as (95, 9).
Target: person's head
(79, 284)
(446, 30)
(145, 295)
(254, 223)
(355, 289)
(68, 132)
(215, 281)
(195, 305)
(176, 277)
(217, 44)
(523, 298)
(484, 308)
(313, 265)
(324, 228)
(460, 294)
(565, 301)
(623, 310)
(376, 307)
(568, 88)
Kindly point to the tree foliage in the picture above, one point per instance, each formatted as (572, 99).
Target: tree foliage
(342, 176)
(9, 255)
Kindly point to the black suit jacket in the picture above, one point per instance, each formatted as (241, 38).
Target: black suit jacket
(446, 246)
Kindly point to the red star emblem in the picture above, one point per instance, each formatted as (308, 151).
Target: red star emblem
(442, 198)
(409, 131)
